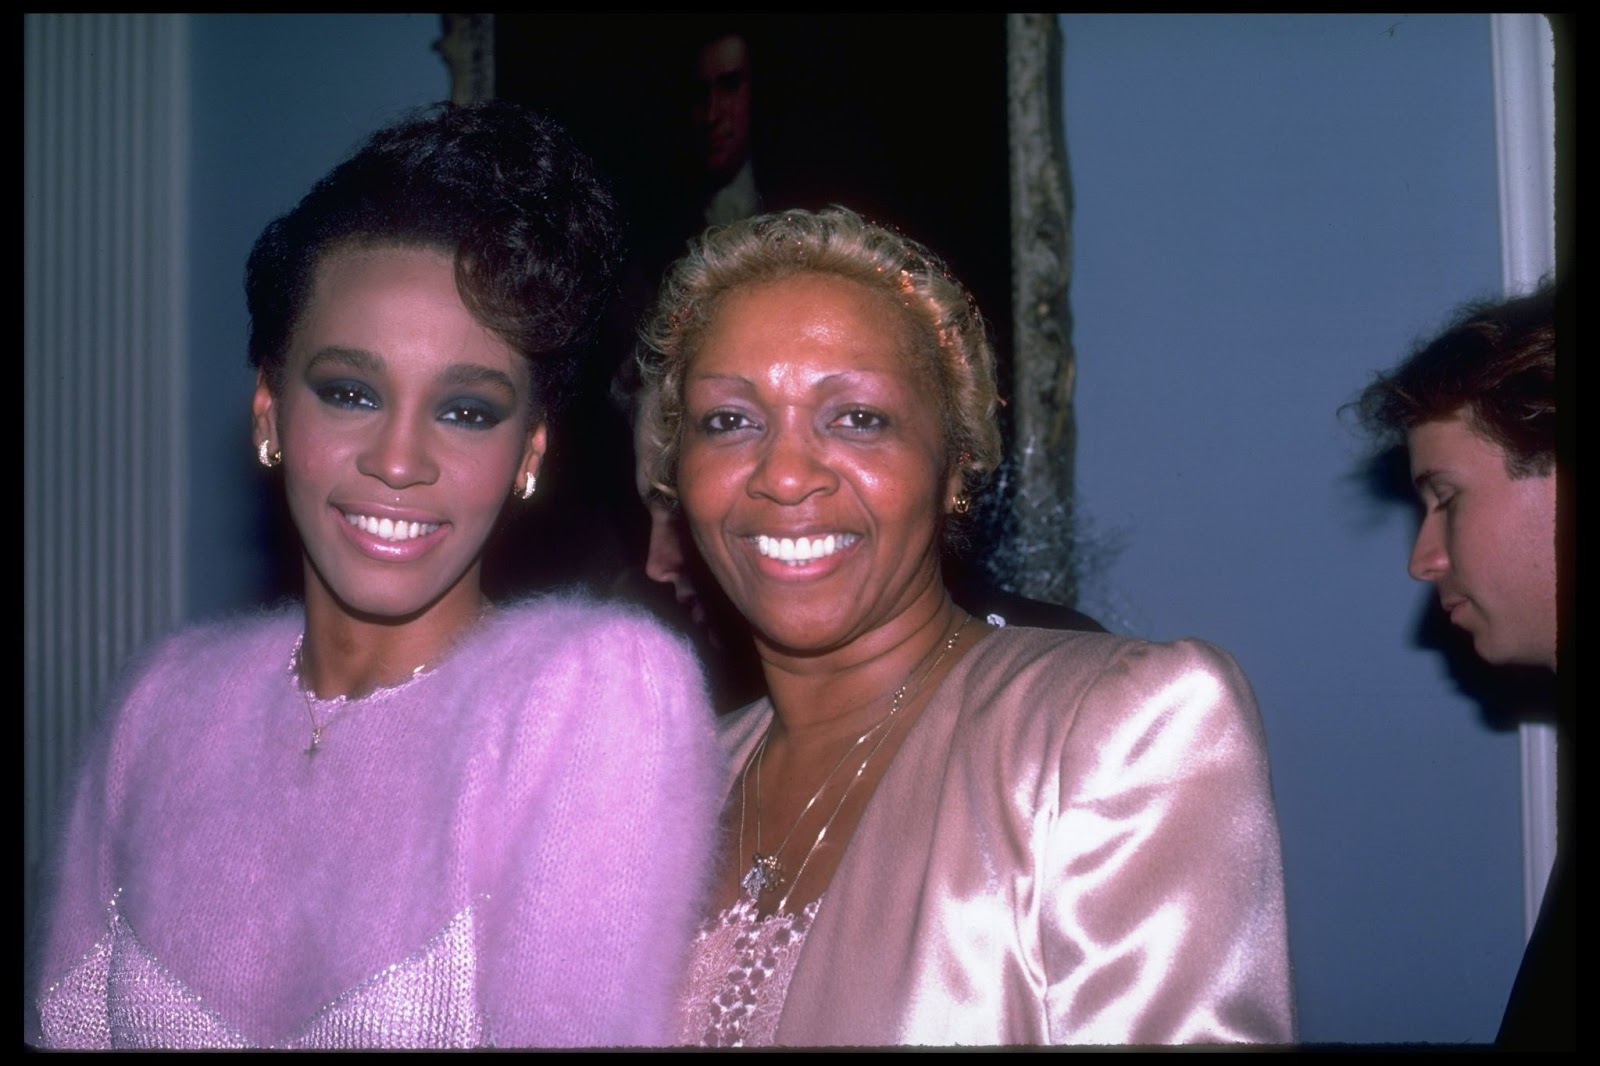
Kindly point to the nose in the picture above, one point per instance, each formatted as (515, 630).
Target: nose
(399, 454)
(791, 467)
(1429, 560)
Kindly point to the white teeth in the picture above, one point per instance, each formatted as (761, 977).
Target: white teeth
(389, 529)
(802, 549)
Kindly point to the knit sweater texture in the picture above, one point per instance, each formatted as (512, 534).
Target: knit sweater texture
(509, 849)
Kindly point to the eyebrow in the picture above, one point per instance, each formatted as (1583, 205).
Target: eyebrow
(475, 374)
(456, 374)
(734, 381)
(354, 358)
(1426, 476)
(827, 379)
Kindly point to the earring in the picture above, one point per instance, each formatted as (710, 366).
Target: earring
(525, 492)
(266, 456)
(961, 504)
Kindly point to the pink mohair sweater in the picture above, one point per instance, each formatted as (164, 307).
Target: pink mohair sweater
(507, 850)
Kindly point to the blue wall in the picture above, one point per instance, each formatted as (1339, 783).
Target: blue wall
(1267, 210)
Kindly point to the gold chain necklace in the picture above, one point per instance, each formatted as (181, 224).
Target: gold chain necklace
(336, 703)
(766, 873)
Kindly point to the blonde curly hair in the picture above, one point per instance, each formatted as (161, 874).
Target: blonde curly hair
(943, 317)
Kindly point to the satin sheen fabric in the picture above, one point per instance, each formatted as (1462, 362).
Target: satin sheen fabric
(1076, 844)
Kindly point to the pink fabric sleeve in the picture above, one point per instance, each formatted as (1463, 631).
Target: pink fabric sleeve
(627, 775)
(1173, 930)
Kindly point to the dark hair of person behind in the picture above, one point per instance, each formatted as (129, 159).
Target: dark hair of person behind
(533, 227)
(1496, 365)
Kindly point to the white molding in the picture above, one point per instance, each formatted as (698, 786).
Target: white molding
(105, 347)
(1524, 122)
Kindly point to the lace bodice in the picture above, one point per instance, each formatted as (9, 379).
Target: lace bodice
(739, 974)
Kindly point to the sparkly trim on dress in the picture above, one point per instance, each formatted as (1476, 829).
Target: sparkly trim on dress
(739, 975)
(425, 1001)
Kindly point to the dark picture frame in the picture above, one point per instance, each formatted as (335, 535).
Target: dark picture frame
(947, 127)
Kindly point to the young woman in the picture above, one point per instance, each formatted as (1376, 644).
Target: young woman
(400, 815)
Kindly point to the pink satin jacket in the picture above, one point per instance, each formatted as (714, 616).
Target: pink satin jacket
(1076, 845)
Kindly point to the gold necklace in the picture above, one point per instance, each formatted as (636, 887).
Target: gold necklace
(766, 873)
(337, 703)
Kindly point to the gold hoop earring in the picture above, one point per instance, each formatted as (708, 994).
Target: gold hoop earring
(961, 504)
(525, 490)
(266, 456)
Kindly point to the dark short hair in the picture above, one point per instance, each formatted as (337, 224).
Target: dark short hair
(532, 226)
(1495, 365)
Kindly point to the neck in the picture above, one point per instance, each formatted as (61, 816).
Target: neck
(819, 699)
(347, 653)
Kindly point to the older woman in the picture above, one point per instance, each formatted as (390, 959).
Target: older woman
(937, 831)
(400, 815)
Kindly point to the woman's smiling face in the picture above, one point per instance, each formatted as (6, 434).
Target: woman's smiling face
(403, 423)
(813, 467)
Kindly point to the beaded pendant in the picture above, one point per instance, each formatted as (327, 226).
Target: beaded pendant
(763, 875)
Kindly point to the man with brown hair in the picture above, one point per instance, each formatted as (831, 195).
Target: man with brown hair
(1478, 411)
(1476, 407)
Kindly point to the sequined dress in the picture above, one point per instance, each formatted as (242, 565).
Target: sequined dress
(466, 859)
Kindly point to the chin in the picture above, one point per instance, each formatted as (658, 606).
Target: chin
(799, 636)
(1498, 655)
(1487, 650)
(384, 609)
(386, 601)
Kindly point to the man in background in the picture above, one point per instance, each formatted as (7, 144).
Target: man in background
(1476, 408)
(721, 109)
